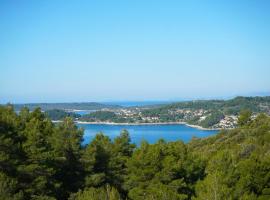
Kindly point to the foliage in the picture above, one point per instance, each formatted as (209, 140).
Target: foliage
(232, 106)
(162, 171)
(101, 193)
(57, 114)
(42, 160)
(212, 119)
(244, 117)
(99, 116)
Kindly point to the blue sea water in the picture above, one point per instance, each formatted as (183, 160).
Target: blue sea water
(83, 112)
(150, 133)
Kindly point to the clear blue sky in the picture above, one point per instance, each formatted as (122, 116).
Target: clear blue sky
(61, 51)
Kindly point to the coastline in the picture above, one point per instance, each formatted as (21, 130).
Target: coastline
(138, 124)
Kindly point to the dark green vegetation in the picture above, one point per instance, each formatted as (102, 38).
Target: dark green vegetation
(45, 161)
(57, 114)
(107, 116)
(99, 116)
(212, 119)
(232, 106)
(65, 106)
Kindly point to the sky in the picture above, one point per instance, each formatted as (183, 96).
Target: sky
(80, 51)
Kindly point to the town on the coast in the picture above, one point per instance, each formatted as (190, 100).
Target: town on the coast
(203, 114)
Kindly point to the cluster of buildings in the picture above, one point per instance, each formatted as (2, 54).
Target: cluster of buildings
(180, 115)
(229, 121)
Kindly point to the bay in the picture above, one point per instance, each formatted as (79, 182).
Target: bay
(150, 133)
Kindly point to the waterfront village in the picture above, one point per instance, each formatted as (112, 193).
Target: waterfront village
(188, 116)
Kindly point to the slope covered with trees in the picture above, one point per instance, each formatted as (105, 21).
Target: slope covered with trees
(46, 161)
(231, 106)
(57, 114)
(207, 113)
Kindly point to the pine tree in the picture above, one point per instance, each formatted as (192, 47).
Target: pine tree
(66, 141)
(37, 172)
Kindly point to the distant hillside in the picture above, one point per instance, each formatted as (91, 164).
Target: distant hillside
(207, 113)
(65, 106)
(232, 106)
(57, 114)
(214, 114)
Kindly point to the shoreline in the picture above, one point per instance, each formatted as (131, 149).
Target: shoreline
(154, 123)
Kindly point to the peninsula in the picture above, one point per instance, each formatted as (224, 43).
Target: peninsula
(203, 114)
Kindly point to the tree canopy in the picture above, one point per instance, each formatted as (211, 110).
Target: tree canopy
(46, 161)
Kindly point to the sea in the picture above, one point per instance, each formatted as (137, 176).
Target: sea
(150, 133)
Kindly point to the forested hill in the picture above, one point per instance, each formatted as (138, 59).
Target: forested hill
(207, 113)
(65, 106)
(45, 161)
(231, 106)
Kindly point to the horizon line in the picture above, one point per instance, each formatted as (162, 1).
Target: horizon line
(142, 101)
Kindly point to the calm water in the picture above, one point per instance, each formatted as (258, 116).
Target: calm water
(83, 112)
(150, 133)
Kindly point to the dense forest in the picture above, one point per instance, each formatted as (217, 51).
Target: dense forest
(57, 114)
(46, 161)
(231, 106)
(107, 116)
